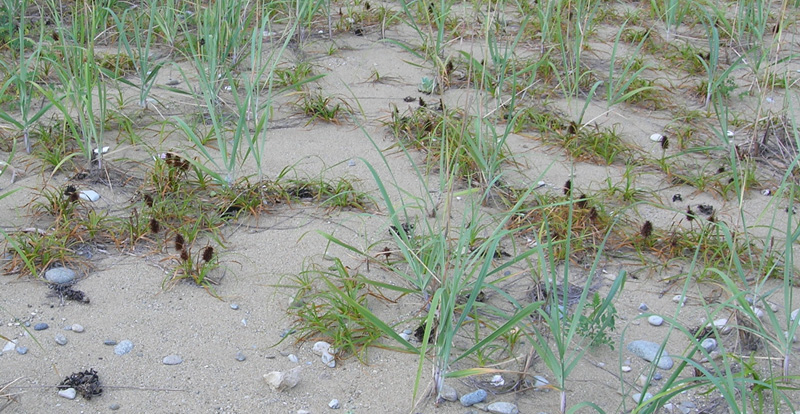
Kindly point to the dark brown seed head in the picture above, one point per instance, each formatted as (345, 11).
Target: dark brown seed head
(208, 254)
(582, 202)
(73, 197)
(70, 190)
(421, 102)
(148, 200)
(155, 227)
(647, 229)
(366, 5)
(593, 214)
(689, 214)
(568, 187)
(179, 243)
(184, 255)
(572, 129)
(664, 143)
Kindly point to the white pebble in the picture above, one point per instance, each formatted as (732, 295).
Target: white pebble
(68, 393)
(709, 344)
(656, 137)
(795, 313)
(321, 347)
(77, 328)
(626, 368)
(334, 404)
(679, 299)
(89, 195)
(655, 320)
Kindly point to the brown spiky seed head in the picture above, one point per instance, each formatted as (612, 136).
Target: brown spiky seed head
(647, 229)
(689, 214)
(664, 143)
(208, 254)
(179, 243)
(74, 197)
(155, 227)
(148, 200)
(568, 187)
(184, 255)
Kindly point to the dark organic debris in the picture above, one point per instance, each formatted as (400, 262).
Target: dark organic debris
(407, 229)
(676, 198)
(409, 99)
(705, 209)
(66, 292)
(87, 383)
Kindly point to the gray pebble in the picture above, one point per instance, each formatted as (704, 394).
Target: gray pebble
(351, 163)
(172, 360)
(240, 356)
(61, 339)
(68, 393)
(334, 404)
(59, 275)
(540, 381)
(709, 344)
(636, 397)
(649, 351)
(655, 320)
(502, 408)
(795, 314)
(643, 307)
(9, 346)
(448, 393)
(40, 326)
(408, 331)
(22, 350)
(657, 376)
(113, 407)
(109, 342)
(27, 324)
(123, 347)
(234, 306)
(77, 328)
(473, 398)
(293, 358)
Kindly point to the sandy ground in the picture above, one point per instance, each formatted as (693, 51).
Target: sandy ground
(128, 302)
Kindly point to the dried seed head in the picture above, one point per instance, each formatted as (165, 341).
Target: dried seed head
(689, 214)
(74, 197)
(70, 190)
(664, 143)
(647, 229)
(148, 200)
(582, 202)
(179, 243)
(208, 254)
(593, 214)
(184, 255)
(155, 227)
(421, 102)
(568, 187)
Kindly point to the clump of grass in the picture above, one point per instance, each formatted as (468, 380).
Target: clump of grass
(328, 305)
(199, 269)
(318, 106)
(596, 144)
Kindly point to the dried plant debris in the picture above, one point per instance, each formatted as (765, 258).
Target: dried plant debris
(68, 293)
(87, 383)
(407, 229)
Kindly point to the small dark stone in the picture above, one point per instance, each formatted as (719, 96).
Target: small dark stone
(40, 326)
(676, 198)
(109, 342)
(705, 209)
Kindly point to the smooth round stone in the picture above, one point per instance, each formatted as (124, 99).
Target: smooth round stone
(643, 307)
(334, 404)
(68, 393)
(293, 358)
(10, 345)
(501, 407)
(679, 299)
(22, 350)
(59, 275)
(61, 339)
(89, 195)
(709, 344)
(109, 342)
(649, 352)
(540, 381)
(795, 313)
(656, 137)
(240, 356)
(473, 398)
(40, 326)
(77, 328)
(351, 163)
(638, 396)
(172, 360)
(234, 306)
(626, 368)
(405, 336)
(655, 320)
(657, 376)
(123, 347)
(448, 393)
(114, 407)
